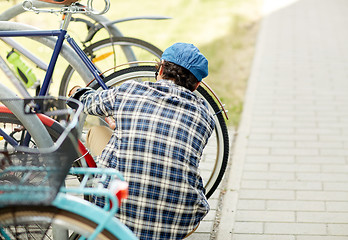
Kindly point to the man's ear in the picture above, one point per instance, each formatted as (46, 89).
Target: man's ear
(160, 71)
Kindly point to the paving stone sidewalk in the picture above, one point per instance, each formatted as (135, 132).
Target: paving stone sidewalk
(206, 229)
(289, 178)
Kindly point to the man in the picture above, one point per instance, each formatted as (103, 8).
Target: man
(161, 129)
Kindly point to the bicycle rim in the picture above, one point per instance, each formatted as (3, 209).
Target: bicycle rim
(215, 156)
(31, 222)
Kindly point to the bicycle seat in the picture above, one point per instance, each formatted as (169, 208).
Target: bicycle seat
(65, 2)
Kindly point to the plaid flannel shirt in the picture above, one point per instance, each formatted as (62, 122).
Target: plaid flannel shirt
(161, 131)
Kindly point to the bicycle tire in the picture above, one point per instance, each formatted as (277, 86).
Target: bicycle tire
(141, 49)
(35, 222)
(6, 117)
(14, 126)
(214, 177)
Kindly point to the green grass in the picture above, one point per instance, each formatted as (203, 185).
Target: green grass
(224, 30)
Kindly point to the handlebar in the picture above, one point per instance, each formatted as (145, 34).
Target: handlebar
(74, 7)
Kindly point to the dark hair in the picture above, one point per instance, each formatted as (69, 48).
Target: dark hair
(181, 76)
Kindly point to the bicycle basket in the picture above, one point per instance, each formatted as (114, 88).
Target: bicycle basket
(29, 173)
(65, 2)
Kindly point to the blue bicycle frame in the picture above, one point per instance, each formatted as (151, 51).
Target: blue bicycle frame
(61, 34)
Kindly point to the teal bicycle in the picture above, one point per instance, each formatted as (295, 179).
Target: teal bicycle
(34, 203)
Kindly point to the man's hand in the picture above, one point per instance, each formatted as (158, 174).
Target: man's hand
(73, 90)
(111, 122)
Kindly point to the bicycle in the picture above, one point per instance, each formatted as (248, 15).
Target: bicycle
(100, 21)
(33, 202)
(115, 49)
(88, 71)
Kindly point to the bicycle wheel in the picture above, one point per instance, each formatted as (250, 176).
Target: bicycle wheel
(14, 128)
(108, 53)
(215, 156)
(45, 222)
(17, 131)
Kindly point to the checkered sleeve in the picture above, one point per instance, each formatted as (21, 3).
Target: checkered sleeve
(99, 103)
